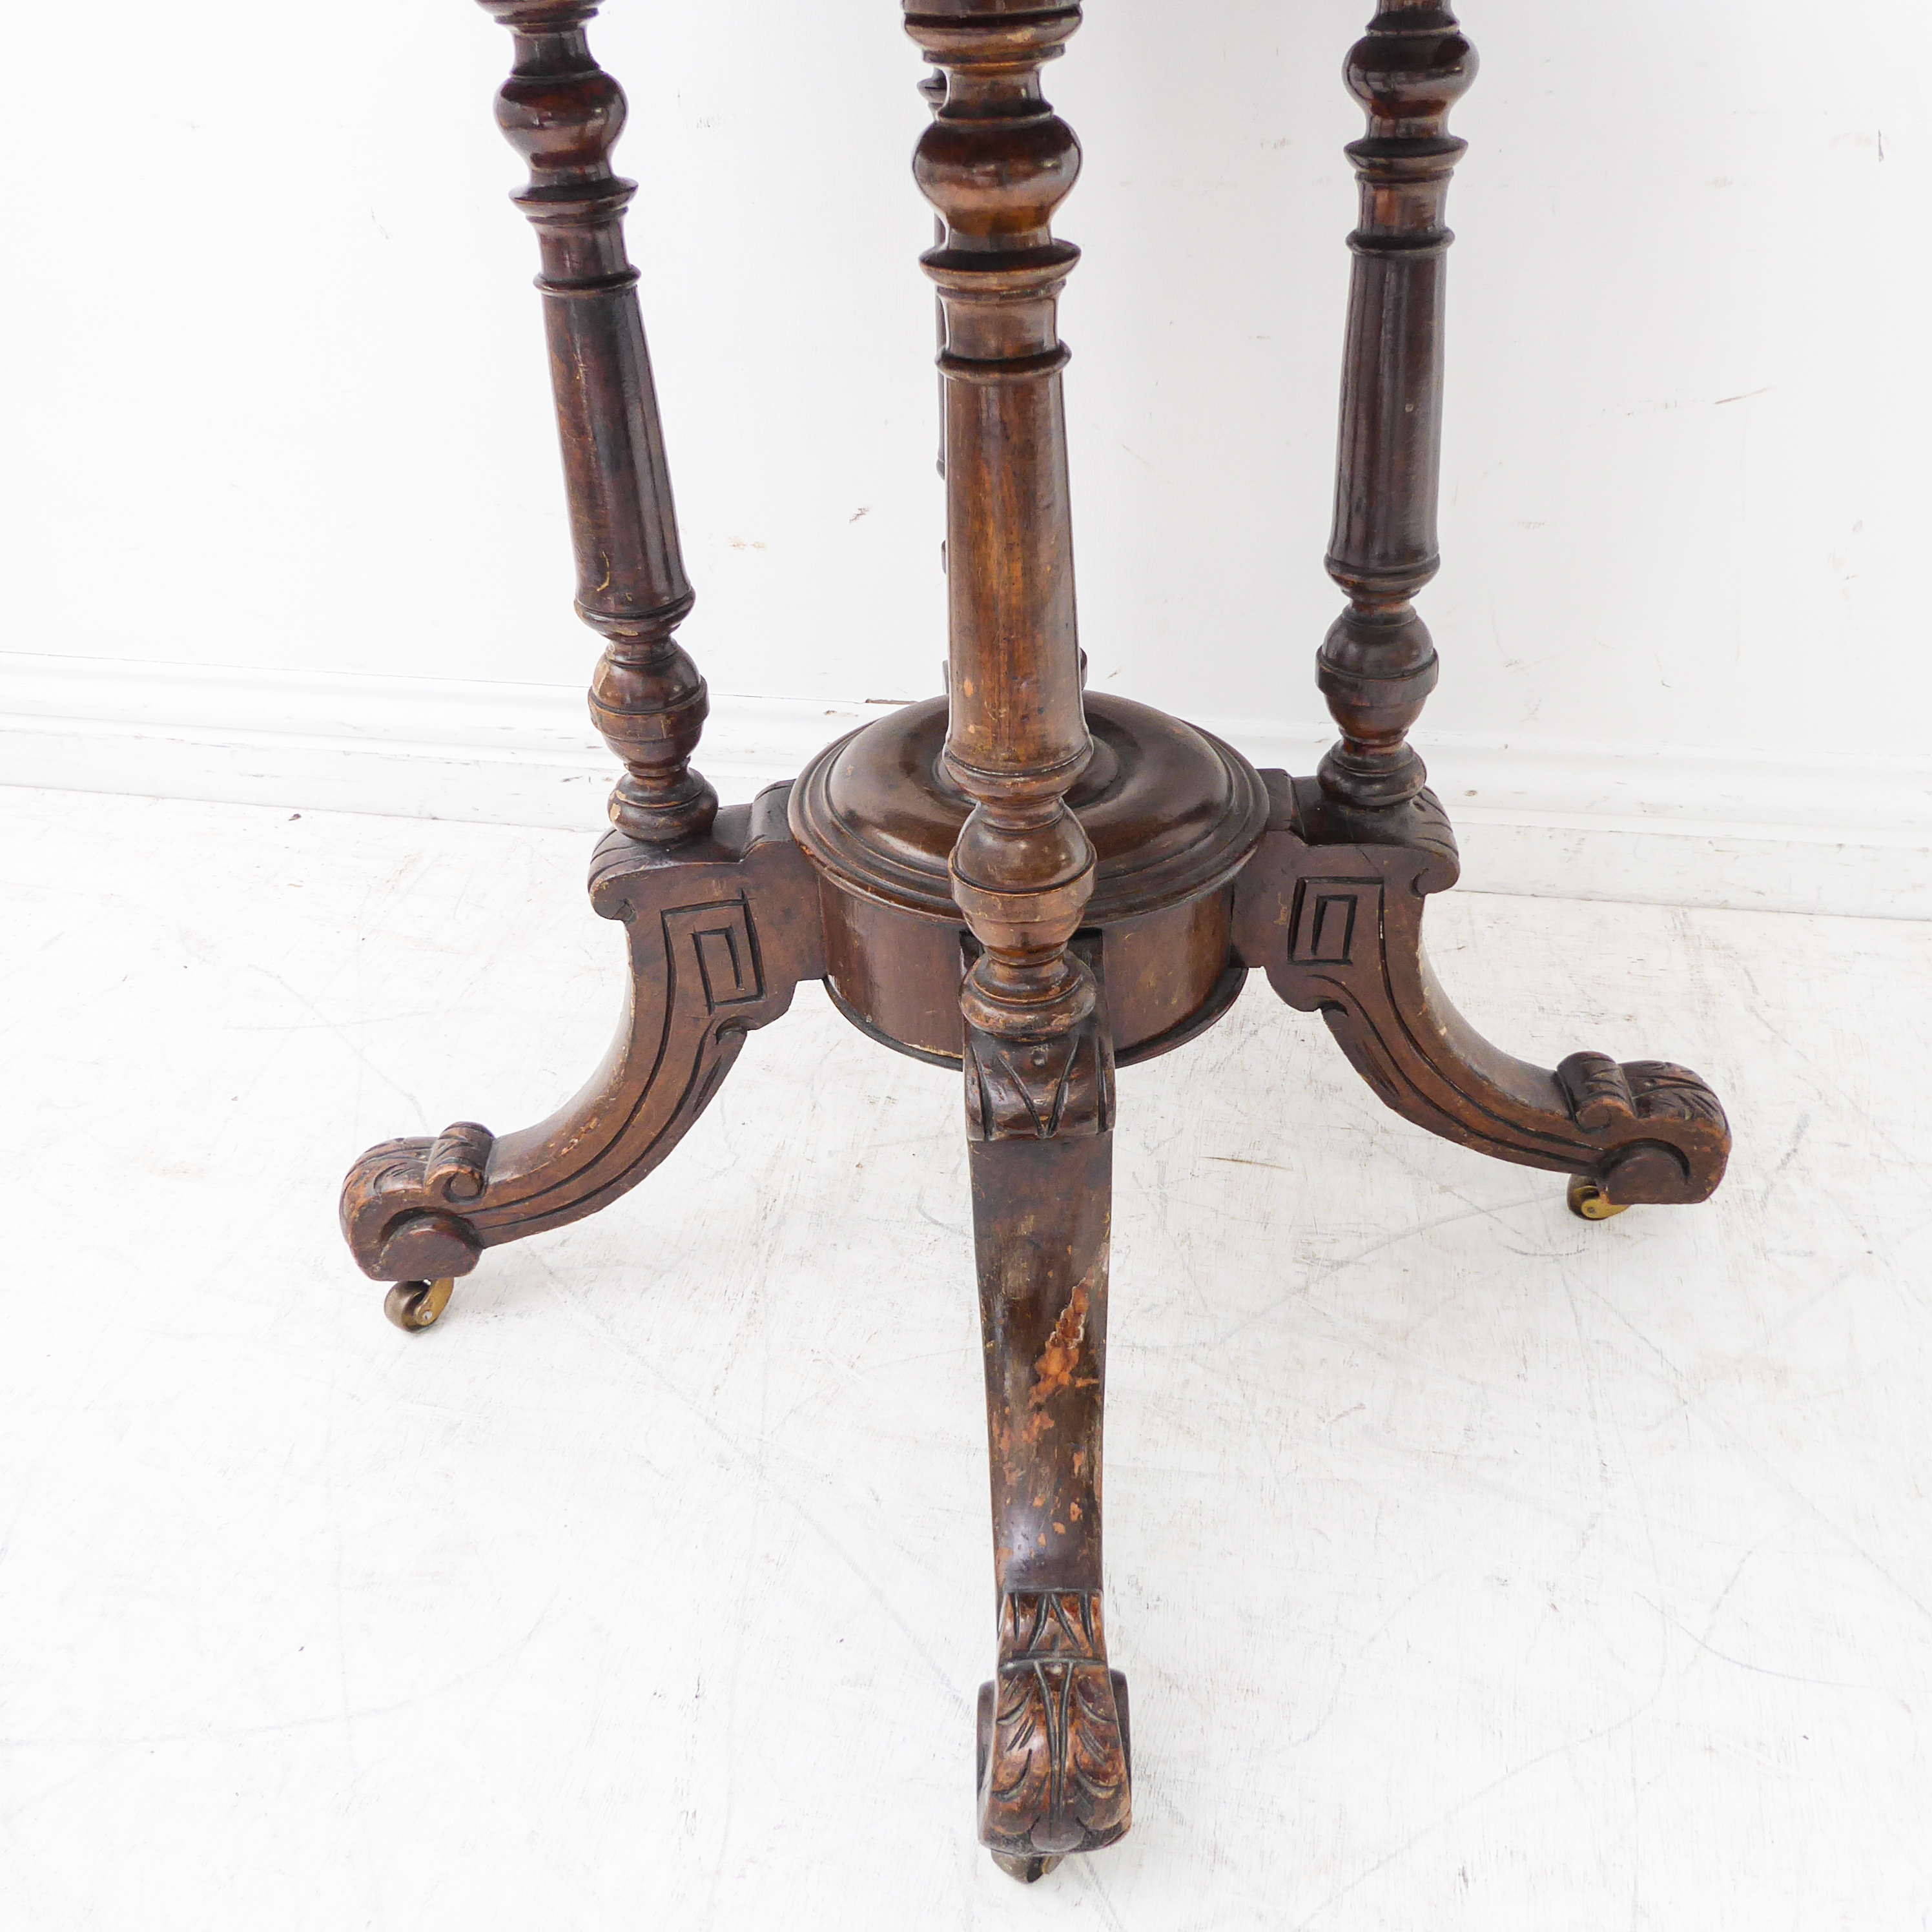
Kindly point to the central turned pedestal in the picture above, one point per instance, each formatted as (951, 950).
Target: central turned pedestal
(1171, 813)
(1028, 883)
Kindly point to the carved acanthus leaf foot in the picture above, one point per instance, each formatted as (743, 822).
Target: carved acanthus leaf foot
(721, 930)
(1335, 919)
(1054, 1776)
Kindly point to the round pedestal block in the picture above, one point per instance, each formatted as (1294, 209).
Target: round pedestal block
(1172, 813)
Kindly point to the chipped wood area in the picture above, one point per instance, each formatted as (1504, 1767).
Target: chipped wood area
(1058, 1360)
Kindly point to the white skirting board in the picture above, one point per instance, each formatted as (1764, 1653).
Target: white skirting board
(1826, 833)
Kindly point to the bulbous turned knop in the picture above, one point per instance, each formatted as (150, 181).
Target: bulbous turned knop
(665, 680)
(563, 125)
(1376, 670)
(1409, 70)
(994, 179)
(1041, 859)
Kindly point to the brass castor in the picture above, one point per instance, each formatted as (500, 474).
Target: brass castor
(1589, 1202)
(414, 1305)
(1028, 1871)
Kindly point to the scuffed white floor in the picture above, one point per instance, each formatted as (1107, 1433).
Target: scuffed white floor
(1472, 1567)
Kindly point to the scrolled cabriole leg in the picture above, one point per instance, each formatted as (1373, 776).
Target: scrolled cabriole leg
(995, 163)
(1054, 1774)
(1338, 930)
(721, 932)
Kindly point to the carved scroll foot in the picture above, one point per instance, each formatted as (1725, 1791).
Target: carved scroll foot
(1331, 908)
(721, 930)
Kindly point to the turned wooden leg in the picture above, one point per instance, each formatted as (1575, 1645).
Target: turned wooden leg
(1331, 904)
(563, 113)
(995, 163)
(722, 909)
(1378, 664)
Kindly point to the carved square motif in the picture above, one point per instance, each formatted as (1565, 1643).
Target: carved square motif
(1327, 913)
(720, 938)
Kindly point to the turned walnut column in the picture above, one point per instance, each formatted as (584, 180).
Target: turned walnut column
(995, 163)
(1378, 665)
(563, 113)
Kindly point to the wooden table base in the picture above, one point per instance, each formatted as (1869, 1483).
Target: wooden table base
(1027, 883)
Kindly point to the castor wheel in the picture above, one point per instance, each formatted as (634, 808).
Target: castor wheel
(414, 1305)
(1589, 1202)
(1027, 1871)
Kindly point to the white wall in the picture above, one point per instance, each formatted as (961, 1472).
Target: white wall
(275, 394)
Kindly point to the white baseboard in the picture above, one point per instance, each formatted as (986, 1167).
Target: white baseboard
(1661, 824)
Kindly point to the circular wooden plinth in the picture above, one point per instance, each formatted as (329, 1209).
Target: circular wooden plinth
(1172, 813)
